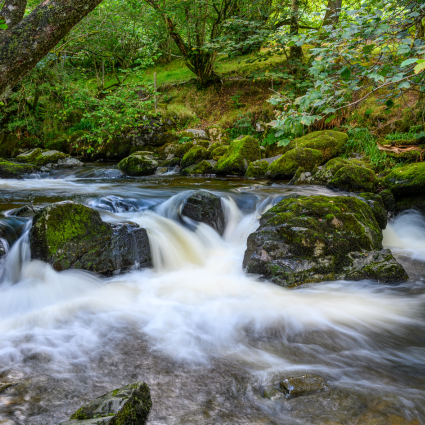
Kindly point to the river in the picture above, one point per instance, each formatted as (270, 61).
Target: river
(201, 333)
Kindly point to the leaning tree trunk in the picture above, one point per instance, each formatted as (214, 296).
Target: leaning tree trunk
(22, 47)
(13, 11)
(296, 52)
(332, 12)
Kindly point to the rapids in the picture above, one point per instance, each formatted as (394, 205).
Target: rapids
(200, 332)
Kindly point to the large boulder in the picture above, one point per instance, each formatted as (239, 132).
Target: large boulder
(328, 142)
(129, 405)
(416, 202)
(218, 152)
(205, 207)
(204, 167)
(350, 175)
(194, 155)
(69, 235)
(311, 239)
(406, 180)
(48, 158)
(241, 152)
(10, 170)
(257, 169)
(139, 164)
(286, 166)
(377, 205)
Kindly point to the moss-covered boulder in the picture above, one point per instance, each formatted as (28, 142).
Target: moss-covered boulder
(30, 156)
(204, 167)
(69, 235)
(139, 164)
(194, 155)
(48, 158)
(286, 166)
(218, 152)
(11, 170)
(415, 202)
(241, 152)
(129, 405)
(311, 239)
(328, 142)
(205, 207)
(257, 169)
(389, 200)
(350, 175)
(378, 208)
(406, 180)
(182, 148)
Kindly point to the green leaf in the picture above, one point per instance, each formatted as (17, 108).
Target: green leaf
(389, 103)
(404, 85)
(408, 62)
(346, 73)
(330, 119)
(419, 67)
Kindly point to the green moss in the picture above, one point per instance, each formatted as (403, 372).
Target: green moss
(182, 148)
(376, 203)
(204, 167)
(406, 180)
(80, 415)
(286, 166)
(328, 142)
(204, 143)
(257, 169)
(416, 202)
(10, 170)
(30, 157)
(218, 152)
(138, 164)
(213, 146)
(194, 155)
(241, 152)
(353, 178)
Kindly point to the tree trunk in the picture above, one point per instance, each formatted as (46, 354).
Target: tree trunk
(296, 52)
(332, 12)
(13, 11)
(28, 42)
(420, 29)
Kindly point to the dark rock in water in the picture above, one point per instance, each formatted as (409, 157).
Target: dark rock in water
(10, 170)
(129, 405)
(300, 385)
(139, 164)
(206, 208)
(69, 235)
(271, 392)
(27, 211)
(410, 203)
(3, 250)
(311, 239)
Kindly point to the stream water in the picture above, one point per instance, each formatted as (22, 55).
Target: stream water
(201, 333)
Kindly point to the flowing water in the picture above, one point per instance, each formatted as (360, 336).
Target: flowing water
(203, 335)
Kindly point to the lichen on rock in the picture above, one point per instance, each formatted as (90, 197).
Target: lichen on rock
(310, 239)
(241, 152)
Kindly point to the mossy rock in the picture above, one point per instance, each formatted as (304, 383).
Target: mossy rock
(406, 180)
(388, 200)
(129, 405)
(69, 235)
(11, 170)
(328, 142)
(343, 174)
(241, 152)
(204, 167)
(30, 156)
(257, 169)
(311, 239)
(182, 148)
(41, 157)
(377, 204)
(61, 144)
(204, 143)
(286, 166)
(218, 152)
(138, 164)
(194, 155)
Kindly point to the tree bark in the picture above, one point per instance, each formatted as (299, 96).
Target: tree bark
(22, 47)
(332, 12)
(13, 11)
(296, 52)
(420, 29)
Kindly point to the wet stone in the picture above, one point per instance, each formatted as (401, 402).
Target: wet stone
(300, 385)
(271, 392)
(129, 405)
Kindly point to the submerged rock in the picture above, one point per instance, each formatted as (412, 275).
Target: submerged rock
(129, 405)
(69, 235)
(27, 211)
(10, 170)
(139, 164)
(205, 207)
(241, 152)
(300, 385)
(328, 142)
(311, 239)
(286, 166)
